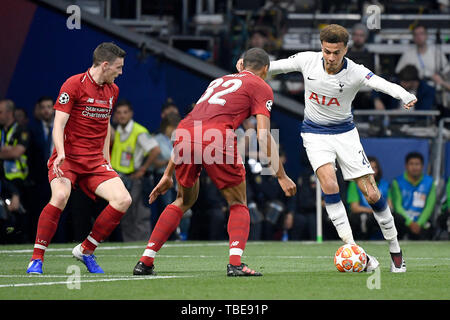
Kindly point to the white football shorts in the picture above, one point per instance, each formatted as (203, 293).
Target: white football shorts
(344, 147)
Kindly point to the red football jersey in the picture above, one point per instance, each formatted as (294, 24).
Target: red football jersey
(90, 106)
(229, 100)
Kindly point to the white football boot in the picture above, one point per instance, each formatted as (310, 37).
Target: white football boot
(372, 263)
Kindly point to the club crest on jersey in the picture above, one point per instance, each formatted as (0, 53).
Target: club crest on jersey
(323, 100)
(269, 105)
(64, 98)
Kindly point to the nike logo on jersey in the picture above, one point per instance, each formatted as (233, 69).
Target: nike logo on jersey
(311, 79)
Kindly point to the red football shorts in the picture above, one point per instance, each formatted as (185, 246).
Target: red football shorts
(87, 173)
(224, 167)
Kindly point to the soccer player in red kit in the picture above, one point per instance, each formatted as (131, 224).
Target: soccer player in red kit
(206, 139)
(81, 136)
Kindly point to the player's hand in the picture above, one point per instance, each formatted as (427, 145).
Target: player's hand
(288, 186)
(240, 65)
(138, 174)
(415, 228)
(161, 188)
(57, 165)
(410, 104)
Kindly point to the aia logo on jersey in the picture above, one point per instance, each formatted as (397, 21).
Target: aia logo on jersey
(323, 100)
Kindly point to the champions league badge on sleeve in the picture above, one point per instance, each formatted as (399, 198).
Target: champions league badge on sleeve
(369, 75)
(64, 98)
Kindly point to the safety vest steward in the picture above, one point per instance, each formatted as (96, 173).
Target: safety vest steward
(122, 154)
(14, 168)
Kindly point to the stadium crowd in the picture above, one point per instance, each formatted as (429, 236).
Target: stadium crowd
(140, 157)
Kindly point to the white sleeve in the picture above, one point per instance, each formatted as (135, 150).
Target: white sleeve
(147, 142)
(394, 90)
(291, 64)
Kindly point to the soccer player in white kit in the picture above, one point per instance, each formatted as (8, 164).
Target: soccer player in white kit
(329, 133)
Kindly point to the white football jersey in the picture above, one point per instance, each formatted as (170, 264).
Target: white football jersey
(328, 98)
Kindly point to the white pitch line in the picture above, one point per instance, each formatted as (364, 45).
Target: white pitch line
(13, 285)
(167, 245)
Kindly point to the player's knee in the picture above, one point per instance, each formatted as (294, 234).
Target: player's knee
(123, 201)
(59, 198)
(330, 187)
(372, 196)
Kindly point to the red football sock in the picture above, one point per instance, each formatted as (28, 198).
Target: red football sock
(167, 223)
(46, 228)
(105, 223)
(238, 229)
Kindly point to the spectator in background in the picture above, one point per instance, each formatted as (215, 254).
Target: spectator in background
(425, 57)
(21, 116)
(361, 217)
(10, 208)
(133, 151)
(210, 212)
(40, 150)
(169, 107)
(301, 219)
(413, 196)
(359, 53)
(271, 201)
(14, 145)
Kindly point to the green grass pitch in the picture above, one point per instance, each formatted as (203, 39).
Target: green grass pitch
(197, 270)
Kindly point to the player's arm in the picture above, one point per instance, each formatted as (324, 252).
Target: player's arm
(292, 64)
(269, 148)
(429, 207)
(12, 152)
(59, 124)
(394, 90)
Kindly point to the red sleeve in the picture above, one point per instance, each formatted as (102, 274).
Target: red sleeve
(261, 99)
(68, 94)
(116, 95)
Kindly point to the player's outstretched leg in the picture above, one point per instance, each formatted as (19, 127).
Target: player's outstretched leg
(167, 222)
(383, 216)
(48, 222)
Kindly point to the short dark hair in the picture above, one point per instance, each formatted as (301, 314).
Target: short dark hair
(169, 103)
(414, 155)
(124, 103)
(256, 58)
(334, 33)
(44, 98)
(409, 73)
(107, 51)
(172, 119)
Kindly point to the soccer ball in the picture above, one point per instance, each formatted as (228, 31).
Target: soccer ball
(350, 258)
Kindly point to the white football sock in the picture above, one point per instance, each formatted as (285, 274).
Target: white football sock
(338, 215)
(386, 222)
